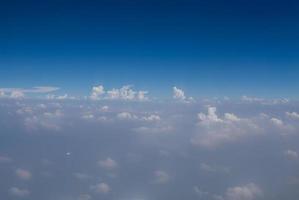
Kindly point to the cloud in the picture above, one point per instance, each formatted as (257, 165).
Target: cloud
(179, 95)
(108, 164)
(23, 174)
(5, 159)
(19, 192)
(245, 192)
(101, 188)
(17, 93)
(293, 115)
(81, 176)
(126, 116)
(290, 154)
(161, 177)
(84, 197)
(97, 92)
(124, 93)
(213, 169)
(214, 131)
(60, 97)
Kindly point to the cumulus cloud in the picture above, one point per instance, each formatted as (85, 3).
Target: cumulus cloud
(214, 130)
(293, 115)
(101, 188)
(126, 92)
(126, 116)
(17, 192)
(23, 174)
(246, 192)
(179, 95)
(108, 164)
(97, 92)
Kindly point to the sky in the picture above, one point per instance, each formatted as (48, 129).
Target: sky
(149, 100)
(210, 48)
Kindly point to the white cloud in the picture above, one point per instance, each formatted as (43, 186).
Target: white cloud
(17, 93)
(151, 118)
(245, 192)
(277, 122)
(108, 164)
(60, 97)
(23, 174)
(19, 192)
(126, 116)
(214, 131)
(293, 115)
(101, 188)
(97, 92)
(161, 177)
(199, 192)
(105, 108)
(178, 94)
(292, 155)
(124, 93)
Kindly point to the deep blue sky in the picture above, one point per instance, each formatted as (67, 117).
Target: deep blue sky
(208, 48)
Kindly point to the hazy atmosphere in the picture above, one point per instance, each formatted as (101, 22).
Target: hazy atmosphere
(149, 100)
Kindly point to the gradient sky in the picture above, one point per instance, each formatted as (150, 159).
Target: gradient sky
(208, 48)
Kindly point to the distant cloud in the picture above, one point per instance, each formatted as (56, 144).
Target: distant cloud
(245, 192)
(84, 197)
(19, 192)
(20, 92)
(81, 176)
(23, 174)
(108, 164)
(124, 93)
(292, 155)
(293, 115)
(179, 95)
(161, 177)
(101, 188)
(5, 159)
(214, 131)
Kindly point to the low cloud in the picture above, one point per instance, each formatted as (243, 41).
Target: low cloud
(17, 192)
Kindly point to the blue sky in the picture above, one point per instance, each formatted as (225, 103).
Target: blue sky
(208, 48)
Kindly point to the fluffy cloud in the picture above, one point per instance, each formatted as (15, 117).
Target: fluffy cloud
(19, 192)
(124, 93)
(126, 116)
(108, 164)
(23, 174)
(214, 131)
(245, 192)
(293, 115)
(179, 95)
(97, 92)
(101, 188)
